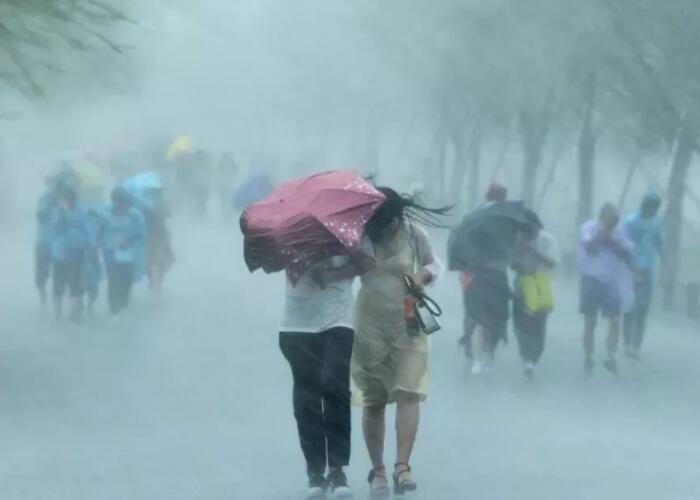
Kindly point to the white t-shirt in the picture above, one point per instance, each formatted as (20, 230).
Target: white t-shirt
(310, 309)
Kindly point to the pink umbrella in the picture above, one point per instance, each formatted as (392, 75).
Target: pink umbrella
(308, 219)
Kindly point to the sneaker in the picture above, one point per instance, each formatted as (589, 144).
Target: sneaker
(317, 487)
(611, 365)
(337, 484)
(529, 371)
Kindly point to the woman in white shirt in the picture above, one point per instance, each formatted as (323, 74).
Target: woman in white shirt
(316, 338)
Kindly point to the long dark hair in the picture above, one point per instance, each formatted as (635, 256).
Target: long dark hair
(403, 207)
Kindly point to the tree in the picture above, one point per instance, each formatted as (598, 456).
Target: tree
(35, 35)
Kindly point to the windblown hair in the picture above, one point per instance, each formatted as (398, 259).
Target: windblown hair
(404, 207)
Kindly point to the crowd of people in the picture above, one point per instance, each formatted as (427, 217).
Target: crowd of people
(379, 338)
(81, 240)
(330, 337)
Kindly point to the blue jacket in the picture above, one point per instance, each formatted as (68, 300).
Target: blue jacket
(43, 215)
(69, 231)
(648, 240)
(123, 237)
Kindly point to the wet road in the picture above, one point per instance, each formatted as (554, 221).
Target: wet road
(188, 397)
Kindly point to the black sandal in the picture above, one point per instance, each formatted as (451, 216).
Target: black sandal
(401, 486)
(378, 492)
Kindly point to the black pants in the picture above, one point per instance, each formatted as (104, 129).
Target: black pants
(530, 329)
(42, 256)
(68, 274)
(635, 321)
(120, 279)
(320, 365)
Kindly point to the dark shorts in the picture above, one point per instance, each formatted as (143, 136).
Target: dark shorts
(600, 296)
(487, 301)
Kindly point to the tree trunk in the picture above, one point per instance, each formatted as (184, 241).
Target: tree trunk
(533, 132)
(674, 212)
(475, 142)
(631, 170)
(500, 159)
(436, 180)
(459, 170)
(586, 156)
(552, 170)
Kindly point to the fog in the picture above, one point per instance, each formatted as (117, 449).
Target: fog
(186, 395)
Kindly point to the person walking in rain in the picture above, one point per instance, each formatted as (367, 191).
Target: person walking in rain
(390, 359)
(42, 247)
(644, 228)
(604, 252)
(123, 235)
(226, 173)
(316, 338)
(70, 240)
(533, 299)
(480, 348)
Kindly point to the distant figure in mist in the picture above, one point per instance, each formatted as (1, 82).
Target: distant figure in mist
(160, 256)
(123, 235)
(92, 266)
(605, 253)
(533, 298)
(645, 229)
(42, 247)
(390, 357)
(70, 241)
(226, 175)
(496, 193)
(194, 178)
(486, 296)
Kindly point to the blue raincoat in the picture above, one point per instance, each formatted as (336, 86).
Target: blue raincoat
(123, 238)
(93, 272)
(68, 232)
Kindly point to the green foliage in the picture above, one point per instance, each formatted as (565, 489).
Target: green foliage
(37, 35)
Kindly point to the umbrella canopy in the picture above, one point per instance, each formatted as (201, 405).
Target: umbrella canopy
(486, 235)
(143, 182)
(308, 219)
(253, 190)
(180, 146)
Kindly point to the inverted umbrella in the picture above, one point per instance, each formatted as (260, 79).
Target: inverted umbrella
(308, 219)
(486, 235)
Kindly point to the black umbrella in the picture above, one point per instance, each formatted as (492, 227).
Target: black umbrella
(486, 235)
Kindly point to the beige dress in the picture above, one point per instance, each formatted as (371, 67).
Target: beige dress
(386, 360)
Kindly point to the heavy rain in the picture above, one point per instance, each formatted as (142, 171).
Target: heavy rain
(285, 250)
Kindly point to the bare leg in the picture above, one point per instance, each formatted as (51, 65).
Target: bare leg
(613, 337)
(479, 349)
(407, 418)
(589, 340)
(374, 429)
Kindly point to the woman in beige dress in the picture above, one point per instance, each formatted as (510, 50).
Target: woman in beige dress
(390, 359)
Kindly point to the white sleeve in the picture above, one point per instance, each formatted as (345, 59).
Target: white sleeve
(426, 256)
(546, 247)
